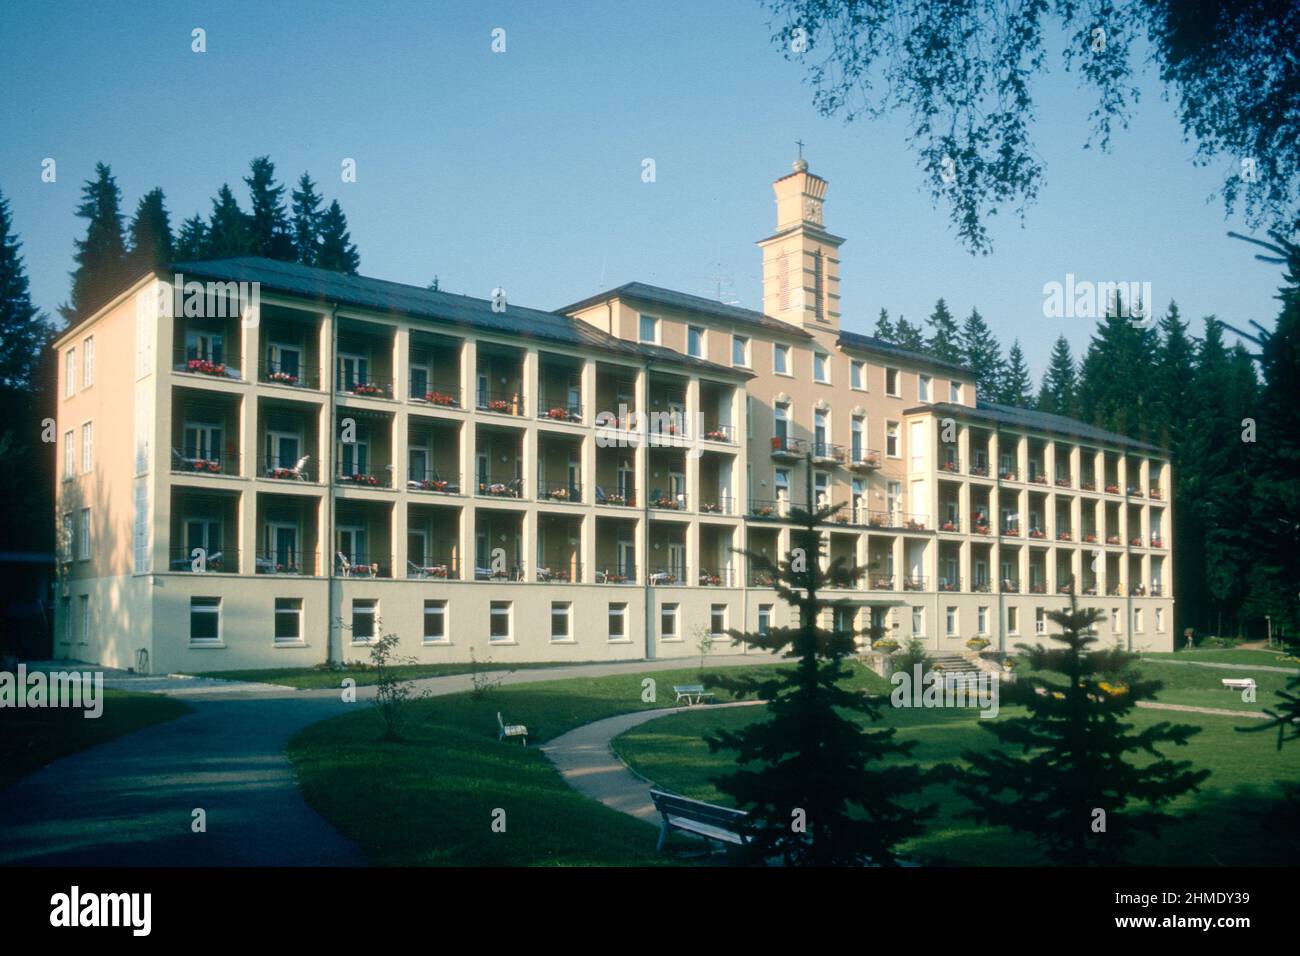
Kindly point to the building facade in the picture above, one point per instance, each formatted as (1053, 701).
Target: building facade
(263, 465)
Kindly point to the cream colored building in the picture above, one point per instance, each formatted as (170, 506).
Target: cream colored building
(267, 481)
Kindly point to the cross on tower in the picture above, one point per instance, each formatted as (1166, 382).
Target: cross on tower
(799, 143)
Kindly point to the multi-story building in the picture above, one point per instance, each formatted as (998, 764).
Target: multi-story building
(267, 480)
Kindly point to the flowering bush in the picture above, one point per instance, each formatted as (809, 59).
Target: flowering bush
(949, 466)
(979, 471)
(764, 511)
(915, 524)
(499, 405)
(282, 473)
(1011, 532)
(360, 479)
(710, 580)
(1112, 539)
(367, 388)
(1007, 475)
(1112, 489)
(1090, 537)
(977, 643)
(204, 464)
(717, 435)
(981, 529)
(284, 378)
(1036, 533)
(711, 507)
(666, 501)
(888, 645)
(204, 367)
(948, 526)
(441, 398)
(615, 500)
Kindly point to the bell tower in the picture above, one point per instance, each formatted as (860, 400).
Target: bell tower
(801, 260)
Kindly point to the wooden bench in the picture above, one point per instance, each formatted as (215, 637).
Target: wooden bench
(506, 731)
(705, 820)
(691, 693)
(1239, 683)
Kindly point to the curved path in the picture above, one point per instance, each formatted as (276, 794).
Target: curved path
(130, 800)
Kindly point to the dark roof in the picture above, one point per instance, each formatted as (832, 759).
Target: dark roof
(381, 295)
(670, 299)
(869, 343)
(1035, 421)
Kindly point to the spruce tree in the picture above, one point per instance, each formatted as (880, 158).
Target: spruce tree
(192, 242)
(810, 760)
(1173, 380)
(1072, 755)
(884, 328)
(1119, 402)
(23, 330)
(228, 233)
(982, 353)
(101, 256)
(908, 336)
(268, 223)
(150, 235)
(945, 341)
(1057, 394)
(336, 249)
(307, 216)
(1016, 388)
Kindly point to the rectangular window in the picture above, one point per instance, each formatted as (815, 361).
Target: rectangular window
(1116, 622)
(740, 351)
(435, 622)
(617, 622)
(70, 373)
(695, 342)
(84, 601)
(69, 455)
(923, 390)
(821, 367)
(649, 330)
(891, 440)
(88, 361)
(857, 374)
(288, 620)
(69, 622)
(1040, 621)
(892, 384)
(954, 392)
(499, 621)
(87, 446)
(781, 359)
(1137, 620)
(205, 620)
(764, 619)
(83, 536)
(1013, 620)
(982, 620)
(560, 620)
(65, 537)
(950, 621)
(1160, 619)
(365, 615)
(918, 620)
(718, 620)
(668, 621)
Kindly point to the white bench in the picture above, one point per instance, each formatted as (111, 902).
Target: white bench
(691, 693)
(705, 820)
(1239, 683)
(505, 731)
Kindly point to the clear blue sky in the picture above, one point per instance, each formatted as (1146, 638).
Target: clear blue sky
(523, 169)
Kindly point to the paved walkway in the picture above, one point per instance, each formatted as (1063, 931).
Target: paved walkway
(128, 802)
(1215, 711)
(1225, 667)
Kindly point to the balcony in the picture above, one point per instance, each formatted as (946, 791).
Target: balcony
(1037, 587)
(979, 468)
(626, 498)
(1037, 476)
(288, 373)
(618, 574)
(914, 583)
(500, 403)
(1064, 534)
(785, 448)
(715, 579)
(1037, 534)
(952, 583)
(1010, 531)
(1157, 541)
(560, 410)
(1113, 539)
(362, 565)
(363, 387)
(563, 492)
(1010, 586)
(1157, 589)
(982, 587)
(499, 575)
(198, 461)
(500, 486)
(1156, 493)
(365, 477)
(1138, 590)
(951, 465)
(825, 453)
(282, 469)
(669, 501)
(441, 567)
(1087, 484)
(434, 481)
(1135, 492)
(769, 508)
(1135, 542)
(219, 561)
(864, 460)
(440, 395)
(880, 582)
(1008, 474)
(285, 562)
(1064, 482)
(722, 434)
(202, 362)
(1112, 489)
(951, 524)
(566, 574)
(718, 505)
(915, 522)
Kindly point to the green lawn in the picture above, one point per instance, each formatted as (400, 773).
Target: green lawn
(315, 678)
(31, 738)
(1224, 655)
(1230, 826)
(430, 799)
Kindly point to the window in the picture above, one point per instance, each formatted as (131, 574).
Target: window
(781, 359)
(69, 622)
(954, 392)
(821, 489)
(718, 620)
(288, 620)
(1137, 620)
(1013, 620)
(1040, 621)
(764, 619)
(982, 620)
(1160, 619)
(65, 537)
(499, 621)
(918, 620)
(365, 615)
(83, 536)
(649, 330)
(821, 367)
(84, 601)
(668, 622)
(695, 342)
(69, 456)
(618, 622)
(857, 374)
(923, 389)
(560, 620)
(781, 483)
(1116, 622)
(205, 620)
(435, 622)
(781, 421)
(891, 383)
(891, 440)
(88, 362)
(857, 447)
(70, 373)
(87, 446)
(950, 621)
(740, 351)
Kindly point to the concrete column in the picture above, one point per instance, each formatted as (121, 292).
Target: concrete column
(588, 537)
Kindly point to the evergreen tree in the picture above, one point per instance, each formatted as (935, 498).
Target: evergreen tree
(23, 330)
(192, 243)
(810, 755)
(1016, 387)
(1066, 759)
(150, 235)
(1057, 394)
(884, 328)
(908, 336)
(101, 256)
(1173, 381)
(336, 249)
(1119, 402)
(228, 234)
(268, 224)
(307, 216)
(982, 353)
(945, 341)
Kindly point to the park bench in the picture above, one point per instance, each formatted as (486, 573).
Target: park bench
(1239, 683)
(705, 820)
(506, 731)
(691, 693)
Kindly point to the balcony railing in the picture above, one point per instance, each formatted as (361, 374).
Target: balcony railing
(915, 522)
(1115, 590)
(1064, 534)
(195, 461)
(361, 565)
(981, 525)
(950, 583)
(294, 375)
(760, 579)
(365, 387)
(430, 567)
(1011, 531)
(1063, 481)
(669, 501)
(1010, 586)
(202, 363)
(285, 562)
(616, 574)
(1156, 493)
(914, 582)
(718, 505)
(501, 403)
(787, 447)
(1037, 534)
(979, 468)
(567, 492)
(489, 573)
(284, 469)
(1135, 492)
(667, 576)
(769, 508)
(1157, 541)
(1087, 484)
(504, 486)
(982, 587)
(1136, 541)
(438, 482)
(950, 524)
(1157, 589)
(826, 452)
(864, 459)
(880, 582)
(565, 572)
(369, 478)
(1138, 590)
(616, 499)
(1037, 475)
(1113, 539)
(720, 433)
(564, 411)
(1007, 473)
(1112, 488)
(1037, 587)
(950, 465)
(1090, 589)
(443, 395)
(720, 578)
(207, 561)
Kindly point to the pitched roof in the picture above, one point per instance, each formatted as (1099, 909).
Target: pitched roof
(869, 343)
(1036, 421)
(670, 299)
(381, 295)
